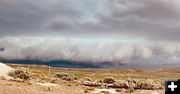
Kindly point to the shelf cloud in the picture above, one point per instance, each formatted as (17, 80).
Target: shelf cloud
(117, 53)
(96, 31)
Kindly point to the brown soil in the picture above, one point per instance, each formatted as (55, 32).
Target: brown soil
(75, 87)
(12, 87)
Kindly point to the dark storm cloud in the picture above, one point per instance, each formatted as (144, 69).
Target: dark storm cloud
(150, 19)
(57, 23)
(25, 16)
(19, 15)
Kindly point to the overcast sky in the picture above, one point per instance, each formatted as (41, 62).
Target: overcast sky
(119, 32)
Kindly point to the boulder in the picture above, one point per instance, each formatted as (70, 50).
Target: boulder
(90, 83)
(4, 71)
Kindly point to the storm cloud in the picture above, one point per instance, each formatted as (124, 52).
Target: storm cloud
(96, 31)
(94, 52)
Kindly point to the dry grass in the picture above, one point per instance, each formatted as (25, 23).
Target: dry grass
(86, 91)
(28, 82)
(118, 90)
(130, 89)
(53, 81)
(40, 74)
(157, 75)
(49, 89)
(105, 92)
(21, 73)
(90, 89)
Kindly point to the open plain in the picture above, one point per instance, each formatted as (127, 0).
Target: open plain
(45, 74)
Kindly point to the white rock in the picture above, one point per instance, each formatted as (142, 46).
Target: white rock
(47, 84)
(111, 91)
(4, 70)
(87, 82)
(6, 77)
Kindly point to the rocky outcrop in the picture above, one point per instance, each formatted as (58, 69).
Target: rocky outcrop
(4, 71)
(127, 84)
(90, 83)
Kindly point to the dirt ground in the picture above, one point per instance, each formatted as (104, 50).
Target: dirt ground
(75, 87)
(12, 87)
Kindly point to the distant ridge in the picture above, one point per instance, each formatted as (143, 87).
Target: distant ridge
(63, 64)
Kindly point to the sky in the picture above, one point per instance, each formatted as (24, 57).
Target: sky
(119, 32)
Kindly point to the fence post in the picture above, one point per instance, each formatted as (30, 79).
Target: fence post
(49, 70)
(28, 67)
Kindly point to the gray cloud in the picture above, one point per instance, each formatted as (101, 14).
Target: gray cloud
(150, 21)
(94, 52)
(143, 18)
(140, 18)
(23, 16)
(20, 16)
(59, 25)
